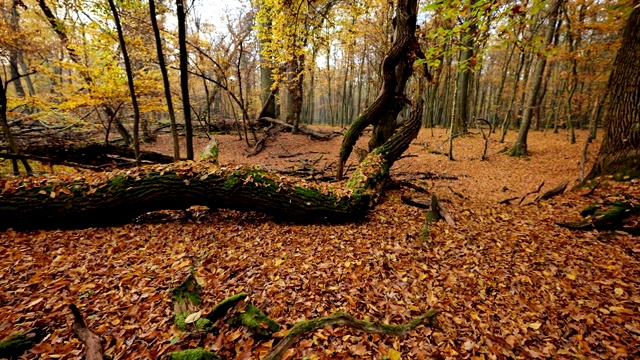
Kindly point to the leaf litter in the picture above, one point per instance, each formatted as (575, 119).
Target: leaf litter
(507, 281)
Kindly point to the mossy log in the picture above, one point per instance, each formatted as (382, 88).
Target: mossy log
(221, 309)
(102, 199)
(194, 354)
(610, 215)
(15, 345)
(120, 196)
(304, 327)
(256, 321)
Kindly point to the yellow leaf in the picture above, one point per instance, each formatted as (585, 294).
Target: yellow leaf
(571, 276)
(618, 291)
(347, 264)
(52, 195)
(279, 262)
(535, 325)
(393, 354)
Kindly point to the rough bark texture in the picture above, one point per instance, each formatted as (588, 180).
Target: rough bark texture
(92, 346)
(620, 150)
(395, 66)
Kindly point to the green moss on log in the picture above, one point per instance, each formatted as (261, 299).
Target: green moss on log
(256, 321)
(194, 354)
(221, 309)
(186, 299)
(15, 345)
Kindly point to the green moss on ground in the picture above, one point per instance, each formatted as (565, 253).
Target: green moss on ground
(194, 354)
(221, 309)
(188, 290)
(256, 321)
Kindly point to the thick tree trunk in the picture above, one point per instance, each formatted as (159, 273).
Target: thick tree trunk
(396, 69)
(620, 150)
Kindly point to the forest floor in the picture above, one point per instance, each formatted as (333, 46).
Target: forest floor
(507, 281)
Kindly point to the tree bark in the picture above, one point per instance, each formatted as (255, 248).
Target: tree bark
(132, 90)
(165, 80)
(120, 196)
(520, 147)
(184, 76)
(620, 150)
(396, 69)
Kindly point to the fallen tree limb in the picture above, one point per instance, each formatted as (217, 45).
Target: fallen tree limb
(315, 135)
(90, 156)
(509, 200)
(118, 197)
(304, 327)
(423, 203)
(92, 346)
(559, 189)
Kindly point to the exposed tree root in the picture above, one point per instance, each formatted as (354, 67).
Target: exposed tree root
(610, 215)
(559, 189)
(304, 327)
(92, 346)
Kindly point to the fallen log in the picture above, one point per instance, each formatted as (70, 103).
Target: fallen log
(118, 197)
(101, 199)
(91, 156)
(559, 189)
(14, 346)
(315, 135)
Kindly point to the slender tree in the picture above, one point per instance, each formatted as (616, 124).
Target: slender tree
(132, 90)
(520, 146)
(184, 75)
(165, 80)
(620, 150)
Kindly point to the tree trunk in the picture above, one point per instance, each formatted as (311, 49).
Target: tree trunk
(620, 150)
(184, 76)
(520, 146)
(461, 109)
(132, 90)
(165, 80)
(396, 69)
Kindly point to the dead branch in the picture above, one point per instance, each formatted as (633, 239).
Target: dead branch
(484, 136)
(422, 203)
(553, 192)
(438, 212)
(93, 348)
(591, 191)
(304, 327)
(413, 186)
(457, 194)
(509, 200)
(315, 135)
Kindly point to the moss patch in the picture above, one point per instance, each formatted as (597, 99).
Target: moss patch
(194, 354)
(257, 321)
(15, 345)
(221, 309)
